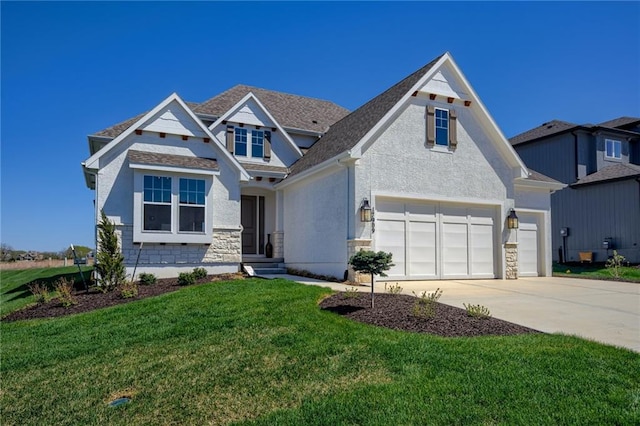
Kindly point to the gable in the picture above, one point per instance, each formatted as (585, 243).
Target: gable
(172, 125)
(173, 119)
(445, 84)
(250, 113)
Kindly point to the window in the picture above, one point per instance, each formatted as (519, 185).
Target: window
(442, 126)
(241, 141)
(257, 143)
(157, 203)
(192, 205)
(613, 148)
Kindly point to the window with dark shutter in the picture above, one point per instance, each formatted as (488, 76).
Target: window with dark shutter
(453, 128)
(267, 145)
(431, 132)
(230, 138)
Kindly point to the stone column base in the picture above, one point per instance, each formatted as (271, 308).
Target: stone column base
(277, 239)
(354, 246)
(511, 258)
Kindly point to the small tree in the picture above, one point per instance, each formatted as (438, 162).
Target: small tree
(109, 260)
(373, 263)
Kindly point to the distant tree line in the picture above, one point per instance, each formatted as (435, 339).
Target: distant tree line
(8, 254)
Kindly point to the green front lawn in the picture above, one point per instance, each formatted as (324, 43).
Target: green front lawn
(262, 352)
(14, 284)
(595, 270)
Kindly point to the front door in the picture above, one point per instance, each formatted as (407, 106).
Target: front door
(252, 218)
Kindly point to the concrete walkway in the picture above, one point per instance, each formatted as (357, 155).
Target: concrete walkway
(604, 311)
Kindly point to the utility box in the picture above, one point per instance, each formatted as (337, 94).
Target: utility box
(564, 232)
(607, 244)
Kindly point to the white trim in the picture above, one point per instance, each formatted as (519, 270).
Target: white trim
(244, 100)
(174, 236)
(93, 161)
(615, 141)
(504, 146)
(173, 169)
(422, 197)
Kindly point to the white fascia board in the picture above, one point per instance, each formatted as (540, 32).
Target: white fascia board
(325, 165)
(537, 184)
(237, 106)
(173, 169)
(89, 177)
(92, 162)
(357, 149)
(504, 145)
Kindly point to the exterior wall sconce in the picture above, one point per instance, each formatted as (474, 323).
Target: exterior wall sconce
(365, 211)
(512, 220)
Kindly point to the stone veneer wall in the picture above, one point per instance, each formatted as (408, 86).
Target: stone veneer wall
(354, 246)
(226, 247)
(277, 239)
(511, 257)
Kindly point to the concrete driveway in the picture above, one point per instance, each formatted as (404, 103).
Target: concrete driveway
(605, 311)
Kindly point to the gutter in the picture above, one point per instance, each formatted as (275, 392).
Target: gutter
(327, 164)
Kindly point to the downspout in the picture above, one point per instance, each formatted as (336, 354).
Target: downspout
(575, 148)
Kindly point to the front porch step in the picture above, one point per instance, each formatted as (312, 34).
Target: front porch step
(259, 266)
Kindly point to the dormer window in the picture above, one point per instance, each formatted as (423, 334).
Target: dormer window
(613, 149)
(257, 143)
(241, 141)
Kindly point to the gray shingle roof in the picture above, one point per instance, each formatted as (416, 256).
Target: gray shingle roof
(620, 122)
(115, 130)
(292, 111)
(253, 167)
(546, 129)
(540, 177)
(609, 173)
(154, 158)
(346, 133)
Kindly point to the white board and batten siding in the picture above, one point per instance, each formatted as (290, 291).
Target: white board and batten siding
(436, 240)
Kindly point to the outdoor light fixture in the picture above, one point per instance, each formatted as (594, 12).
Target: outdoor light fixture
(365, 211)
(512, 220)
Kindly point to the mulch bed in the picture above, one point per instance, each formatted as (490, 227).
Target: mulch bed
(395, 311)
(95, 299)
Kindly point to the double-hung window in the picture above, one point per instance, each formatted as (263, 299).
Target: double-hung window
(257, 143)
(241, 141)
(192, 205)
(157, 203)
(613, 148)
(442, 126)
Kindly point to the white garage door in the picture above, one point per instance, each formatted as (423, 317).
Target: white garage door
(528, 245)
(436, 240)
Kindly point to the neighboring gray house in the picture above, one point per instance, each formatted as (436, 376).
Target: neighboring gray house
(601, 164)
(208, 184)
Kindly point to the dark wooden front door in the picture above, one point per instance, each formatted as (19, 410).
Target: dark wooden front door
(252, 219)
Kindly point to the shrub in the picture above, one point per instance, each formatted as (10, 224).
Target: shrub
(64, 288)
(615, 263)
(350, 293)
(40, 292)
(393, 288)
(425, 305)
(199, 273)
(109, 260)
(372, 263)
(147, 279)
(477, 311)
(186, 278)
(129, 289)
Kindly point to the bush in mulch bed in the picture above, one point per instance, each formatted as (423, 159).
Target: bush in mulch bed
(395, 311)
(96, 299)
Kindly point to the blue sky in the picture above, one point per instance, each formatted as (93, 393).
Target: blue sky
(71, 69)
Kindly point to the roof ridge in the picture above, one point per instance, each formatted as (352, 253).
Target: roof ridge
(282, 93)
(340, 137)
